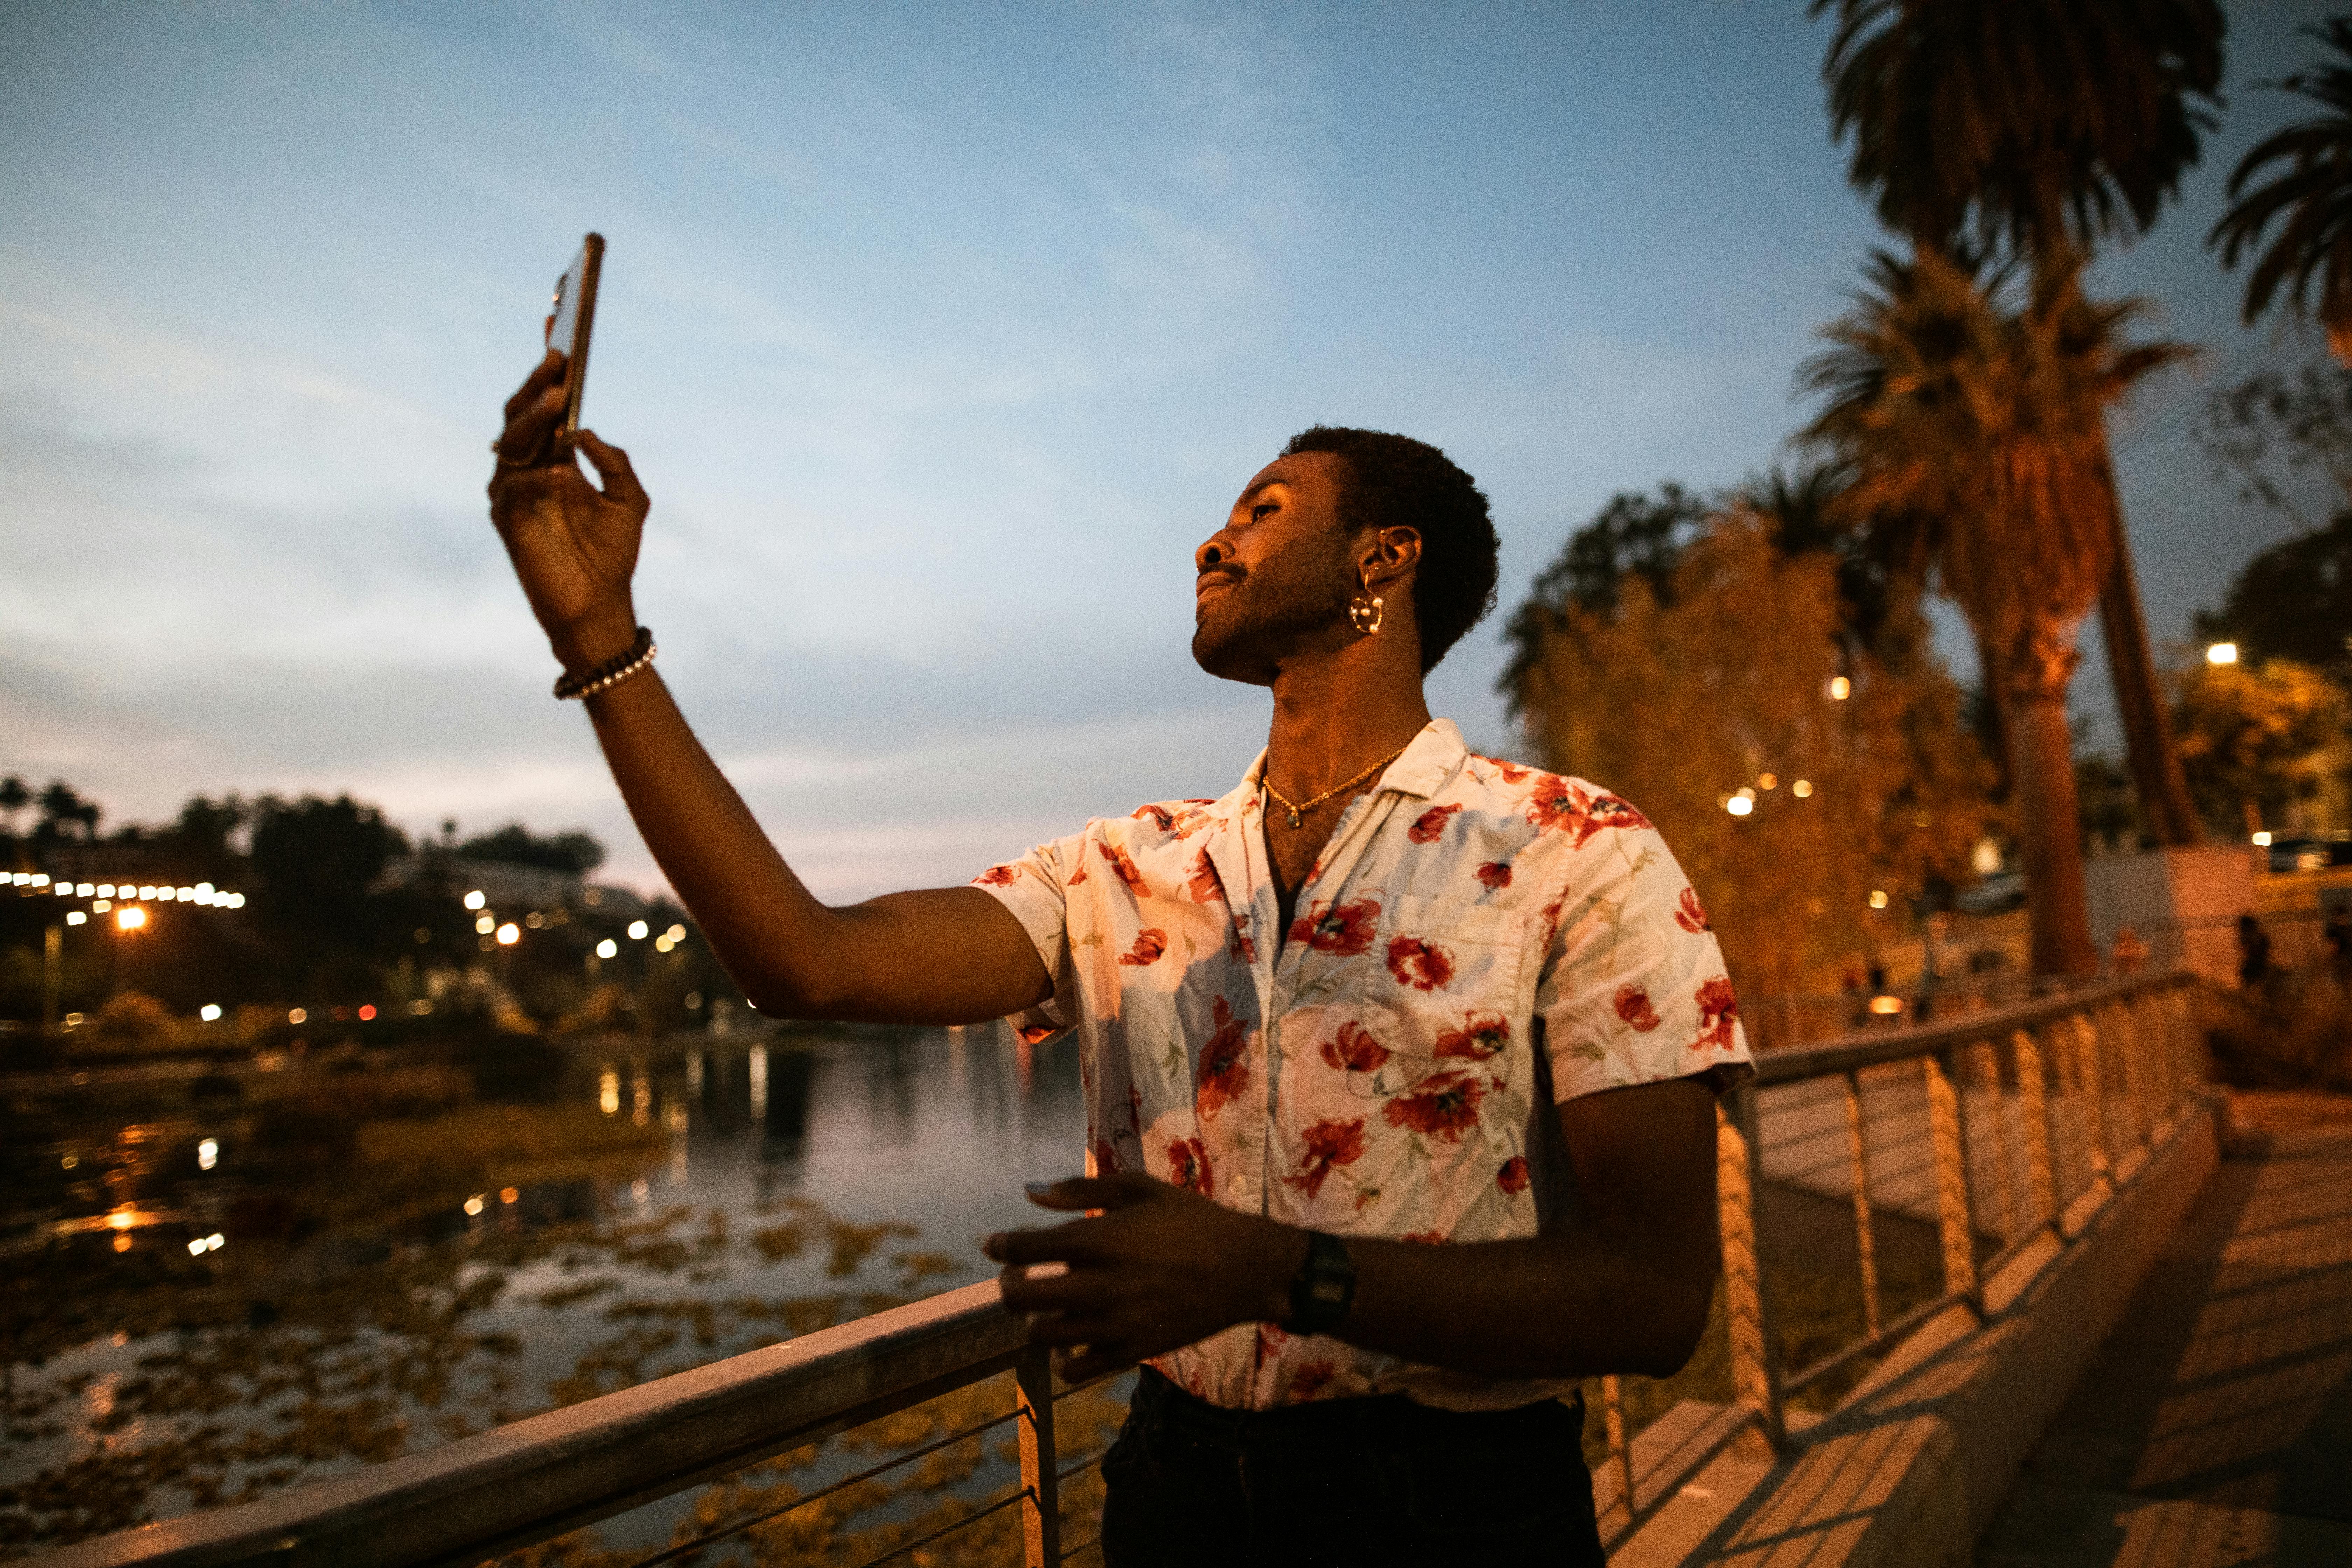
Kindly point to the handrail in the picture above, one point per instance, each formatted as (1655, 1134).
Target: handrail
(528, 1481)
(465, 1500)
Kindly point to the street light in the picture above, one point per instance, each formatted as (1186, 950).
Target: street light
(2222, 653)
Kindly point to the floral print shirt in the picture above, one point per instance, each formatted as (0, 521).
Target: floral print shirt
(1478, 940)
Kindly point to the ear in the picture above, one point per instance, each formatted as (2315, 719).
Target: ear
(1388, 558)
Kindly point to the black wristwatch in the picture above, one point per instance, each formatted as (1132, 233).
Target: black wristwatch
(1323, 1288)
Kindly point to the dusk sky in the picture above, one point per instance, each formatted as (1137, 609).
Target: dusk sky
(940, 333)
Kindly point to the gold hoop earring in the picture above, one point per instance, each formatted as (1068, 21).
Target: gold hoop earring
(1364, 613)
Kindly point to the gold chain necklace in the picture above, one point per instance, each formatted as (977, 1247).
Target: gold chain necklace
(1303, 806)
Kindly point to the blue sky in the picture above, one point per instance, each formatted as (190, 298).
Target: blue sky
(941, 335)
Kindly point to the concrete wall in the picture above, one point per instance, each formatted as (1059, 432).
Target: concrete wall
(2184, 904)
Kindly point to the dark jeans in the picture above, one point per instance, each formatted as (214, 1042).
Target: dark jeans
(1362, 1482)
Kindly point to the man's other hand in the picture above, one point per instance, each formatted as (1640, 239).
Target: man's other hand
(1154, 1268)
(575, 546)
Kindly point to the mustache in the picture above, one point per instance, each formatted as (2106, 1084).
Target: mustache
(1230, 574)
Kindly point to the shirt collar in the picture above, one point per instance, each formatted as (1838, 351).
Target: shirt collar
(1436, 755)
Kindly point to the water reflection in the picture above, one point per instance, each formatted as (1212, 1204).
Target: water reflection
(412, 1249)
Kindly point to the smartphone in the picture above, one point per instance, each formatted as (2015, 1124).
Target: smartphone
(568, 328)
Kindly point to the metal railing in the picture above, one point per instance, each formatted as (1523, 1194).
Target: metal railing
(1988, 1132)
(2029, 1106)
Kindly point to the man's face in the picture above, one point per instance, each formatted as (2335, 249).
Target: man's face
(1276, 579)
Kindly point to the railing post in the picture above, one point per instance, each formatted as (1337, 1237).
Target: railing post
(1621, 1452)
(2088, 1068)
(1041, 1507)
(2135, 1075)
(1988, 1069)
(1953, 1219)
(1865, 1230)
(1755, 1359)
(2033, 1102)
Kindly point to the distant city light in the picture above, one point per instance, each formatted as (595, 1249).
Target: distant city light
(1877, 897)
(204, 1243)
(420, 1007)
(131, 917)
(2222, 653)
(607, 948)
(1740, 805)
(75, 917)
(100, 906)
(510, 934)
(83, 890)
(1886, 1004)
(1768, 781)
(1840, 688)
(475, 899)
(2262, 839)
(1802, 789)
(165, 895)
(637, 929)
(534, 920)
(147, 891)
(367, 1011)
(474, 1204)
(676, 933)
(106, 890)
(210, 1012)
(510, 1195)
(122, 1242)
(296, 1016)
(207, 1154)
(485, 924)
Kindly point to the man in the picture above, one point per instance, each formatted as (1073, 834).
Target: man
(1400, 1063)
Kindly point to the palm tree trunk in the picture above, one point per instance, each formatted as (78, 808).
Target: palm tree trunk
(2049, 821)
(1996, 718)
(2147, 728)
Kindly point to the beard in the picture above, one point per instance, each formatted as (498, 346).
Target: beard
(1296, 602)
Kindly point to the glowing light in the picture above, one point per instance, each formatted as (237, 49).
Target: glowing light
(1740, 804)
(474, 1204)
(165, 895)
(184, 894)
(1877, 897)
(485, 924)
(296, 1016)
(510, 934)
(1921, 819)
(100, 906)
(1883, 1005)
(204, 1243)
(2263, 838)
(420, 1007)
(197, 1247)
(83, 890)
(2222, 653)
(534, 920)
(75, 917)
(210, 1012)
(662, 943)
(215, 1241)
(123, 1243)
(123, 1218)
(1840, 688)
(510, 1195)
(41, 879)
(367, 1011)
(676, 933)
(236, 900)
(1768, 781)
(204, 892)
(106, 890)
(207, 1154)
(637, 929)
(607, 948)
(148, 890)
(130, 917)
(1802, 789)
(477, 898)
(608, 1090)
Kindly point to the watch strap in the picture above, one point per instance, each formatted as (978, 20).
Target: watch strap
(1323, 1288)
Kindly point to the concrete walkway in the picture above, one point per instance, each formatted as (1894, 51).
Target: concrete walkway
(2215, 1427)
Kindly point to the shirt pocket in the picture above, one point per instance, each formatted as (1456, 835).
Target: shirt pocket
(1446, 986)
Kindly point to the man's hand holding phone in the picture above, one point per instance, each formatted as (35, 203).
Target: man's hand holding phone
(573, 545)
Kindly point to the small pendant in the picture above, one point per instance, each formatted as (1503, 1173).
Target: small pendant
(1294, 819)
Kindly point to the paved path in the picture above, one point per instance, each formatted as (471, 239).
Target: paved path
(2216, 1426)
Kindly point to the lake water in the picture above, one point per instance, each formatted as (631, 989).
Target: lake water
(219, 1286)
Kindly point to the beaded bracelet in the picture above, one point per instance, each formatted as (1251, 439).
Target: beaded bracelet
(612, 671)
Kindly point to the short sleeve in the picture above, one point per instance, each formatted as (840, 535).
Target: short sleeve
(1634, 988)
(1033, 888)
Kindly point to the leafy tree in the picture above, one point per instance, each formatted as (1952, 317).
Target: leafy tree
(14, 798)
(317, 862)
(578, 853)
(1947, 403)
(62, 809)
(2292, 601)
(2306, 417)
(2242, 728)
(1632, 536)
(2310, 198)
(1678, 700)
(2044, 127)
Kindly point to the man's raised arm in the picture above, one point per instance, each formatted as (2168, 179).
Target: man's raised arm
(946, 956)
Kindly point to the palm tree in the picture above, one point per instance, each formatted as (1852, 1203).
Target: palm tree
(14, 798)
(2044, 126)
(1946, 403)
(2313, 249)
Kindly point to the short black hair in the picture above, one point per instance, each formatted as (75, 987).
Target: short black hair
(1395, 481)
